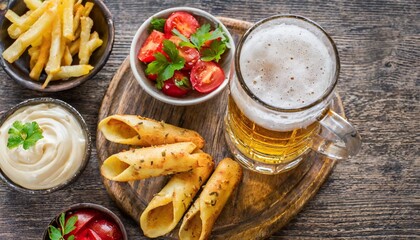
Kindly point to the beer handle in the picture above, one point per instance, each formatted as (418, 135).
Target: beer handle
(338, 139)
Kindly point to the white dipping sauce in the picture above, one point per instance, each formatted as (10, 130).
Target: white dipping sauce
(53, 159)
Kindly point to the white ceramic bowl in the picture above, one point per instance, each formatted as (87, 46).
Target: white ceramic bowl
(194, 97)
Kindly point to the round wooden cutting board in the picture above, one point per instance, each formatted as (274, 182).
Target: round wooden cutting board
(261, 204)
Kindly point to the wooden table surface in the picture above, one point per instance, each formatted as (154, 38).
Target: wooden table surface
(375, 195)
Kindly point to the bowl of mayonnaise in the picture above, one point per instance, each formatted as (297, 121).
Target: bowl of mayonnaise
(44, 145)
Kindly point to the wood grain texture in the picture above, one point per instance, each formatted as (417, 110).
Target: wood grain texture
(375, 195)
(259, 206)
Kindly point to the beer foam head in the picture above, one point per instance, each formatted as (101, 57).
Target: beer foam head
(286, 65)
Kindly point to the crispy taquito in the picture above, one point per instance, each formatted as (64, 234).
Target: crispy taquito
(140, 131)
(154, 161)
(200, 218)
(168, 206)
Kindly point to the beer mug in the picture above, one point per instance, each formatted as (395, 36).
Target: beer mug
(286, 70)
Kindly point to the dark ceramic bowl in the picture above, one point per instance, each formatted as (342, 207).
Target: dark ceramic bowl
(19, 70)
(97, 207)
(83, 125)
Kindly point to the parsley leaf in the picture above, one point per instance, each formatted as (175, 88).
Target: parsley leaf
(70, 225)
(24, 134)
(65, 228)
(201, 36)
(163, 67)
(54, 233)
(214, 52)
(185, 41)
(157, 24)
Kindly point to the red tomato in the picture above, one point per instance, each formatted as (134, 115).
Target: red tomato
(87, 234)
(152, 45)
(171, 89)
(184, 22)
(206, 76)
(152, 77)
(175, 39)
(106, 230)
(84, 216)
(191, 56)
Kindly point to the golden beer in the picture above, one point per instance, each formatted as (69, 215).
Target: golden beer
(286, 69)
(265, 145)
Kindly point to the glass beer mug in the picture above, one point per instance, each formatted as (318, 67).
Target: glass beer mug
(286, 69)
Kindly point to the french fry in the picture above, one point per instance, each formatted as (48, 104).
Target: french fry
(13, 30)
(77, 4)
(93, 45)
(68, 19)
(94, 35)
(77, 33)
(74, 47)
(88, 8)
(57, 47)
(37, 42)
(33, 4)
(34, 16)
(14, 18)
(43, 57)
(86, 27)
(67, 57)
(76, 19)
(13, 52)
(67, 72)
(33, 52)
(94, 42)
(49, 78)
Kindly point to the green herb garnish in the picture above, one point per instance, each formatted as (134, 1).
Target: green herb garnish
(203, 34)
(157, 24)
(163, 67)
(65, 228)
(24, 134)
(214, 52)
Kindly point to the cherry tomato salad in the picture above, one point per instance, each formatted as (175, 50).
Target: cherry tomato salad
(182, 56)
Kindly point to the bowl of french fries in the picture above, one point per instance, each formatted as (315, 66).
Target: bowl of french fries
(55, 45)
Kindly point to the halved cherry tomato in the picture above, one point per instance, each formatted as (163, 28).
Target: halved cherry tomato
(206, 76)
(84, 216)
(191, 56)
(171, 89)
(152, 77)
(106, 230)
(184, 22)
(87, 234)
(152, 45)
(175, 39)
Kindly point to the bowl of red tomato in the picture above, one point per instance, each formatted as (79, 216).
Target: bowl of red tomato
(182, 56)
(86, 221)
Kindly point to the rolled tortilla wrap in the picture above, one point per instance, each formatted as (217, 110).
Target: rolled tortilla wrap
(168, 206)
(140, 131)
(200, 218)
(155, 161)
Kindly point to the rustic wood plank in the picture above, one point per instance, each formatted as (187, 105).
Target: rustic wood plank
(372, 196)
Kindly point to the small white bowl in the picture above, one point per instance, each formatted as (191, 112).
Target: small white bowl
(139, 68)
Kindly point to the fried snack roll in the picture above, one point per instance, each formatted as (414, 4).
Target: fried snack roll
(167, 207)
(140, 131)
(149, 162)
(199, 220)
